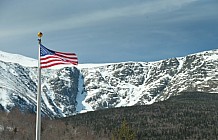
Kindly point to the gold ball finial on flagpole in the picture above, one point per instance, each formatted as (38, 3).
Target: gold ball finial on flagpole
(40, 34)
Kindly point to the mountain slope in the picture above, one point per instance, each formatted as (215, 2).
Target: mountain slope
(130, 83)
(70, 90)
(190, 115)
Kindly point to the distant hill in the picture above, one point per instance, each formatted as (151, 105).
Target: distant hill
(191, 115)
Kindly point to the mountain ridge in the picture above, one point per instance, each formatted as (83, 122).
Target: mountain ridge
(89, 87)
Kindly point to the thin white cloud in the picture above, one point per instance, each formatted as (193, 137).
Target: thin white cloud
(77, 21)
(108, 14)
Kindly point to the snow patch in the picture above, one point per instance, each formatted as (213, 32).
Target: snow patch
(16, 58)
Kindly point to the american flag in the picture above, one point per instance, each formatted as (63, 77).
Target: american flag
(49, 58)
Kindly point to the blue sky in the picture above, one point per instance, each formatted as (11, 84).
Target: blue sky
(107, 31)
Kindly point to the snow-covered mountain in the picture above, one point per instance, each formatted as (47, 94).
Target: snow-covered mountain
(70, 90)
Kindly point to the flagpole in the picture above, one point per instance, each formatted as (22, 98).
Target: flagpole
(38, 113)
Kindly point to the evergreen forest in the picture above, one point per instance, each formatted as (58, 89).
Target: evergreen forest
(190, 115)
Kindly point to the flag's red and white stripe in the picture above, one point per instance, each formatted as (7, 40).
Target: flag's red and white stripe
(58, 58)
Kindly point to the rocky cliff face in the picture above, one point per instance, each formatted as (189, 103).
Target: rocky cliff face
(59, 91)
(71, 90)
(141, 83)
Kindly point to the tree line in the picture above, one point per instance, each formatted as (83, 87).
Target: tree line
(187, 116)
